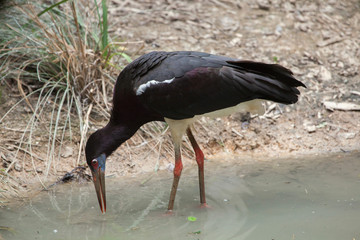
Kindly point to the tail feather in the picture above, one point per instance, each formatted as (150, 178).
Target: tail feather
(267, 81)
(275, 70)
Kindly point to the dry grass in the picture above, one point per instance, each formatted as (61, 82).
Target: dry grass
(61, 63)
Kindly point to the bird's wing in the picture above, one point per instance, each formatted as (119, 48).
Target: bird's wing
(184, 85)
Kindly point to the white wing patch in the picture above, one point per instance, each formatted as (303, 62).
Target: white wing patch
(142, 88)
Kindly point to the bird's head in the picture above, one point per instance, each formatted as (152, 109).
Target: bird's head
(99, 146)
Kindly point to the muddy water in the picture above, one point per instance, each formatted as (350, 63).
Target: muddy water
(316, 198)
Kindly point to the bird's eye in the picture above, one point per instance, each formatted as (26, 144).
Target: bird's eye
(94, 163)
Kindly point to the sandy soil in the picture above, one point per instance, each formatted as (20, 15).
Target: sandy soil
(318, 40)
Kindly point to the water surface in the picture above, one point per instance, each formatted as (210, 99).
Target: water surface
(317, 198)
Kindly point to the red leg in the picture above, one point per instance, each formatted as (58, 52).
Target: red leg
(177, 174)
(200, 161)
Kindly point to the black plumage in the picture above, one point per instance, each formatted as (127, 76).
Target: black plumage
(204, 83)
(181, 85)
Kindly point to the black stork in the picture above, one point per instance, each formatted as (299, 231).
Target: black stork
(178, 87)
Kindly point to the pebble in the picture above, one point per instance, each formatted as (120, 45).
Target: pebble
(324, 74)
(310, 128)
(348, 135)
(340, 64)
(170, 167)
(278, 30)
(18, 167)
(263, 5)
(235, 42)
(67, 152)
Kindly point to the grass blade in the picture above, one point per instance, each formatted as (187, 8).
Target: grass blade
(51, 7)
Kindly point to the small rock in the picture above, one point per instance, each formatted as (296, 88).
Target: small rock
(288, 6)
(349, 135)
(304, 27)
(27, 109)
(235, 42)
(309, 126)
(326, 34)
(298, 71)
(66, 152)
(149, 40)
(310, 129)
(340, 64)
(324, 74)
(18, 167)
(170, 167)
(10, 147)
(278, 30)
(300, 18)
(155, 45)
(39, 170)
(263, 5)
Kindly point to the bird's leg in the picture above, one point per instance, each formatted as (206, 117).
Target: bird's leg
(177, 174)
(200, 161)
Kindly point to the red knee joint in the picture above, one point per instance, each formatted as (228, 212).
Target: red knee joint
(178, 168)
(199, 157)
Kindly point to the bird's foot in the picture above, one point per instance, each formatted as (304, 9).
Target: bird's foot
(205, 205)
(169, 213)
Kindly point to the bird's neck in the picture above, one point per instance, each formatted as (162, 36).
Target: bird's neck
(116, 134)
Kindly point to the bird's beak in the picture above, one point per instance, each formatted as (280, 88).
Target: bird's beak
(99, 182)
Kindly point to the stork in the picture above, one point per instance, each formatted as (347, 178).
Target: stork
(178, 88)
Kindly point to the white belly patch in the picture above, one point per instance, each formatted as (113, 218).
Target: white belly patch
(178, 127)
(254, 106)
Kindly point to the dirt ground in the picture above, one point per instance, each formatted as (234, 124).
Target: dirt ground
(318, 40)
